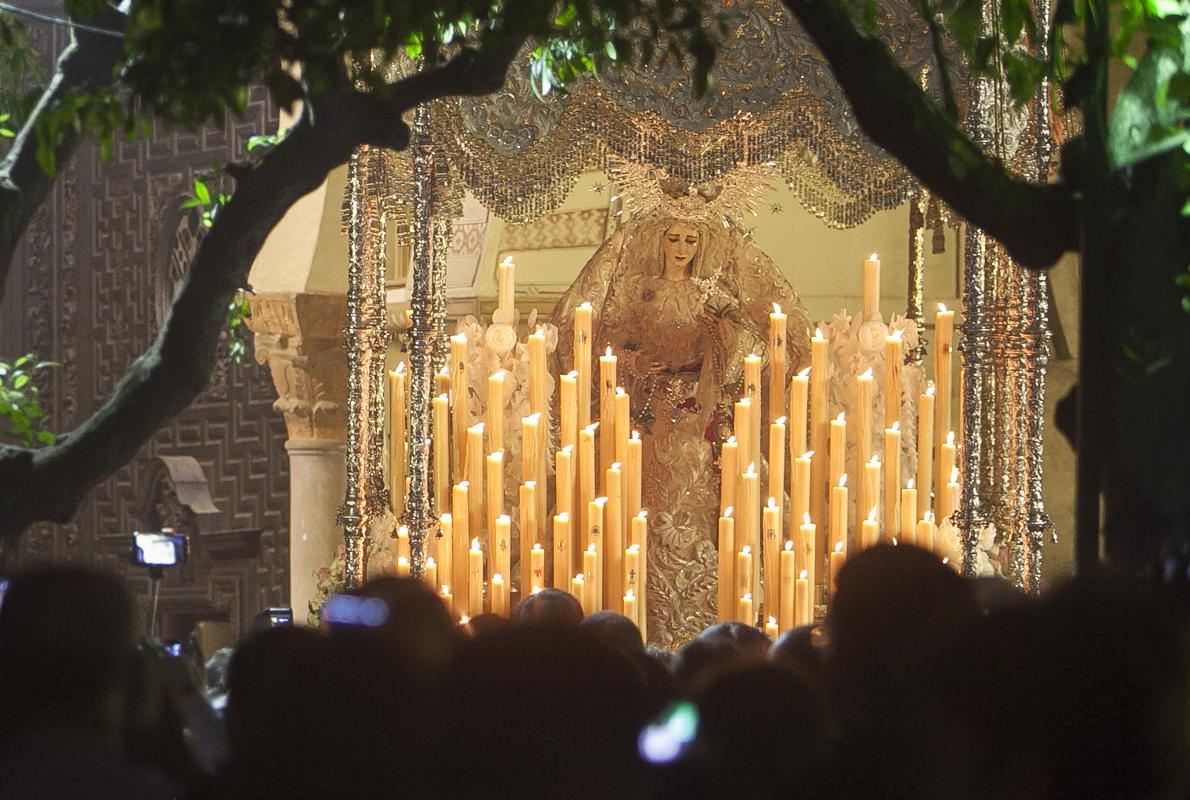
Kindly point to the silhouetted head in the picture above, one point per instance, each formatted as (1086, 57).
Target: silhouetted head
(550, 607)
(67, 643)
(796, 648)
(614, 630)
(748, 639)
(417, 624)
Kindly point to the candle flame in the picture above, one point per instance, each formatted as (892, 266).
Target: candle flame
(504, 518)
(808, 454)
(591, 549)
(912, 484)
(945, 561)
(445, 589)
(789, 544)
(630, 594)
(747, 595)
(866, 375)
(635, 436)
(615, 465)
(727, 512)
(444, 397)
(896, 426)
(579, 578)
(817, 333)
(402, 561)
(506, 262)
(573, 375)
(585, 305)
(498, 375)
(838, 547)
(874, 461)
(608, 354)
(843, 480)
(463, 485)
(535, 590)
(929, 517)
(806, 518)
(400, 370)
(872, 514)
(476, 428)
(496, 456)
(600, 501)
(732, 440)
(747, 549)
(620, 391)
(533, 418)
(954, 474)
(463, 620)
(895, 542)
(430, 562)
(772, 502)
(460, 338)
(475, 543)
(530, 484)
(805, 574)
(873, 257)
(540, 331)
(772, 620)
(590, 428)
(776, 308)
(950, 437)
(842, 417)
(751, 470)
(634, 548)
(744, 401)
(568, 449)
(896, 335)
(805, 373)
(537, 548)
(930, 390)
(642, 514)
(780, 420)
(942, 308)
(403, 530)
(447, 518)
(563, 517)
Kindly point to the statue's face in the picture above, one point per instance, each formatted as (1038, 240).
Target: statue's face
(679, 245)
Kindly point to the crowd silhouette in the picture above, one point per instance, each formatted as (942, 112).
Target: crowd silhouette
(920, 684)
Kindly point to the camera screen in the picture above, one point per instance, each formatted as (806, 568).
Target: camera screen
(158, 549)
(174, 649)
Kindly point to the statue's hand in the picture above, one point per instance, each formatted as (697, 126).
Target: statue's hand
(656, 366)
(710, 322)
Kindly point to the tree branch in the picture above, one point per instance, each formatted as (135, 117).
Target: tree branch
(49, 484)
(1037, 223)
(87, 63)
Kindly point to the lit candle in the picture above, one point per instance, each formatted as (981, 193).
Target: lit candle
(445, 547)
(495, 415)
(803, 613)
(499, 596)
(529, 534)
(568, 409)
(776, 486)
(640, 539)
(613, 537)
(582, 362)
(838, 454)
(747, 615)
(595, 544)
(429, 572)
(475, 470)
(459, 401)
(500, 550)
(586, 472)
(506, 288)
(537, 373)
(865, 392)
(475, 579)
(837, 559)
(564, 480)
(578, 588)
(742, 427)
(495, 504)
(799, 419)
(838, 520)
(398, 455)
(752, 365)
(536, 569)
(632, 476)
(908, 529)
(448, 600)
(800, 495)
(808, 554)
(563, 547)
(770, 554)
(871, 287)
(749, 515)
(894, 360)
(630, 605)
(946, 461)
(728, 583)
(402, 541)
(943, 371)
(819, 425)
(631, 572)
(950, 497)
(743, 577)
(402, 567)
(607, 414)
(925, 532)
(872, 489)
(460, 514)
(729, 473)
(925, 449)
(623, 409)
(592, 570)
(441, 426)
(786, 603)
(777, 359)
(530, 444)
(771, 630)
(870, 529)
(892, 480)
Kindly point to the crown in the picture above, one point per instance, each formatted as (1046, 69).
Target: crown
(728, 200)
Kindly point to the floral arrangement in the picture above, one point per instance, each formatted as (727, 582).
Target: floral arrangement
(381, 560)
(950, 547)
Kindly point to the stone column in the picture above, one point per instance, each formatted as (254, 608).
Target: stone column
(300, 337)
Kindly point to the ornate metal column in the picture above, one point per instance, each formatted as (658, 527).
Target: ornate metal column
(366, 495)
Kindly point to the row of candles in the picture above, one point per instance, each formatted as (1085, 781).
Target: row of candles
(599, 531)
(771, 556)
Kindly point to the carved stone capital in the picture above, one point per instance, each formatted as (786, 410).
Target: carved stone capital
(300, 337)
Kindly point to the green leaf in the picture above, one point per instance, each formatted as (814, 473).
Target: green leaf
(45, 437)
(202, 192)
(20, 381)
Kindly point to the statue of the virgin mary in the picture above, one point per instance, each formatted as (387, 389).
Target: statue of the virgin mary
(682, 294)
